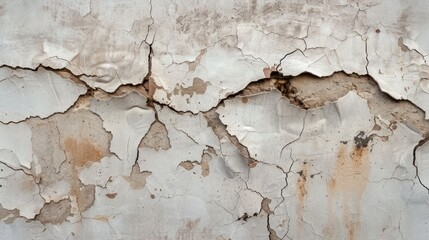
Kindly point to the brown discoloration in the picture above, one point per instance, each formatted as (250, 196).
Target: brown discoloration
(82, 151)
(137, 179)
(347, 185)
(111, 195)
(198, 87)
(244, 99)
(54, 212)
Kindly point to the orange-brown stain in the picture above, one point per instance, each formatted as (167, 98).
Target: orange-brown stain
(244, 99)
(347, 185)
(80, 152)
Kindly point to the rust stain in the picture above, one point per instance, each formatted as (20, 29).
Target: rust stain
(302, 183)
(244, 99)
(82, 151)
(347, 185)
(302, 195)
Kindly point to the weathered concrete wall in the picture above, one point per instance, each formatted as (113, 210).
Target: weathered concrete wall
(214, 119)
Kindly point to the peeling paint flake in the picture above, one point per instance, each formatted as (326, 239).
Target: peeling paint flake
(27, 93)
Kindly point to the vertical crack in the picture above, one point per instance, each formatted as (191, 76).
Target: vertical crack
(421, 143)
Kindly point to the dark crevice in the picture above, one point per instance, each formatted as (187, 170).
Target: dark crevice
(149, 69)
(421, 143)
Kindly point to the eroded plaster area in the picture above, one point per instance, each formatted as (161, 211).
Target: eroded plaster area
(214, 120)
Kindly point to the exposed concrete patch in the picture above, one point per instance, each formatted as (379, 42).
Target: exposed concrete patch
(137, 179)
(156, 137)
(315, 92)
(54, 212)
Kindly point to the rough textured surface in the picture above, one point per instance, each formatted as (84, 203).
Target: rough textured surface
(214, 119)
